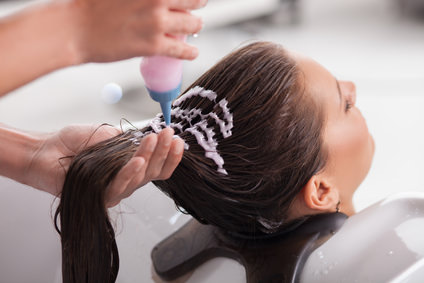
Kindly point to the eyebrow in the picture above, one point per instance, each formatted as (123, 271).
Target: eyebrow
(339, 91)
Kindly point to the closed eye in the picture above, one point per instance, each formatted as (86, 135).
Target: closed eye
(348, 105)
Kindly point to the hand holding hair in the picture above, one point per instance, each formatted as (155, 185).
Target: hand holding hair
(42, 160)
(156, 159)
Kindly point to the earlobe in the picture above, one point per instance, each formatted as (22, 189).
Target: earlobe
(320, 195)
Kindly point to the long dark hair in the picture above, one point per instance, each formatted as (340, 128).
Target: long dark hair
(275, 148)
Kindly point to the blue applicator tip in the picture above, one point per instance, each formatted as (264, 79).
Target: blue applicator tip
(166, 110)
(165, 99)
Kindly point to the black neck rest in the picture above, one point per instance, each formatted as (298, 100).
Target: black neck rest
(276, 258)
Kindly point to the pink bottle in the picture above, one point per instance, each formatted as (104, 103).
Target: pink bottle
(162, 76)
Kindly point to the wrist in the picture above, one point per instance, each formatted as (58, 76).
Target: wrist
(16, 154)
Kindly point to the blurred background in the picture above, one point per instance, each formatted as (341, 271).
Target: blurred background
(378, 44)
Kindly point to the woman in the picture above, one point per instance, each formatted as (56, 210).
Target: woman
(271, 137)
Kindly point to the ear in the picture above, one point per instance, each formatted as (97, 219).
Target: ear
(320, 195)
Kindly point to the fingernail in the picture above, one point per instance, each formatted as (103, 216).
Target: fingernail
(178, 149)
(172, 130)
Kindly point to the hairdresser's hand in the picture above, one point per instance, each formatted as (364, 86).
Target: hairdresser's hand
(109, 30)
(156, 159)
(57, 34)
(50, 161)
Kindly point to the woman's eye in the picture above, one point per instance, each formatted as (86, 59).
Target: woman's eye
(348, 106)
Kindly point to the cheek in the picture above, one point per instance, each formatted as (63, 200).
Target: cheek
(351, 153)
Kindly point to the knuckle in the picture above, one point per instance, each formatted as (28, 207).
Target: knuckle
(158, 21)
(187, 53)
(156, 43)
(171, 50)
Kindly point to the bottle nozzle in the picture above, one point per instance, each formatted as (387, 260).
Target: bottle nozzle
(165, 99)
(166, 110)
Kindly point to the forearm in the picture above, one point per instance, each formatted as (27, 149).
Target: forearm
(35, 42)
(16, 151)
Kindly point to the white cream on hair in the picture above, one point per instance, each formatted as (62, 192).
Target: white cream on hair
(203, 133)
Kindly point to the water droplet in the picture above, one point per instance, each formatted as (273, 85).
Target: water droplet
(195, 35)
(390, 253)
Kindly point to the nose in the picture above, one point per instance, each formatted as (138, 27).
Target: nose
(349, 88)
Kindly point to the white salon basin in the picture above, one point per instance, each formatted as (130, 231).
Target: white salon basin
(382, 243)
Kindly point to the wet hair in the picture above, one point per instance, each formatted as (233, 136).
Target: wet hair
(276, 146)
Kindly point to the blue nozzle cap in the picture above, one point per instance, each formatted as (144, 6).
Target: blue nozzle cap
(165, 99)
(166, 110)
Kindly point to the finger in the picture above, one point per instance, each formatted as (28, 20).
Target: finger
(183, 23)
(174, 157)
(178, 49)
(123, 178)
(161, 152)
(147, 147)
(145, 151)
(186, 4)
(136, 182)
(112, 204)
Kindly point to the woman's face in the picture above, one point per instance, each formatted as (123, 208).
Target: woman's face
(349, 145)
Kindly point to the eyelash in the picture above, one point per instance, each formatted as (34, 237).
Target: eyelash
(348, 106)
